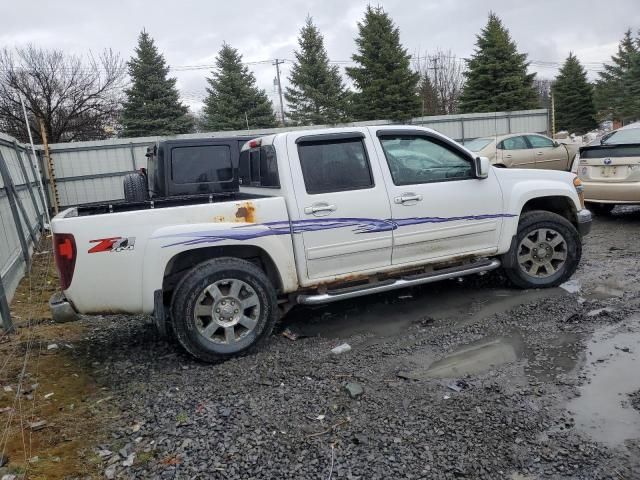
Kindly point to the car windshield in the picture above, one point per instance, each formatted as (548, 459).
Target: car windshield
(477, 144)
(631, 135)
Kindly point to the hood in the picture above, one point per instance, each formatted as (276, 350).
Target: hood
(534, 174)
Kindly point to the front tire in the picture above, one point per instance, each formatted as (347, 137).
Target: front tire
(222, 308)
(546, 252)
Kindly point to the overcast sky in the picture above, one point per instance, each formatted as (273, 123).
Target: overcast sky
(190, 32)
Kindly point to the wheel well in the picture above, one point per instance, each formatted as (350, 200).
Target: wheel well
(184, 261)
(563, 206)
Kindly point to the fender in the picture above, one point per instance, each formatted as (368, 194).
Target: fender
(167, 242)
(521, 186)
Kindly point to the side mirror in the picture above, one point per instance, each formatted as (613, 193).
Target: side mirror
(556, 144)
(482, 166)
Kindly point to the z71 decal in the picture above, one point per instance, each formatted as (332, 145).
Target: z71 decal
(113, 244)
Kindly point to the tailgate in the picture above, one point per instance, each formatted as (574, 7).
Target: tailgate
(610, 163)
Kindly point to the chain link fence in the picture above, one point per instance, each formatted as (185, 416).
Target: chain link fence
(22, 214)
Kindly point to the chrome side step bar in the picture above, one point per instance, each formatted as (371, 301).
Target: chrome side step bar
(445, 273)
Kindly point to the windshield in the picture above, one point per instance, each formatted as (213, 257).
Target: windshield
(477, 144)
(631, 135)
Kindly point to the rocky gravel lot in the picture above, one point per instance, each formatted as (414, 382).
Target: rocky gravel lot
(463, 379)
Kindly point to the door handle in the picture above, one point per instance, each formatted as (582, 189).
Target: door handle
(407, 197)
(539, 153)
(508, 156)
(320, 208)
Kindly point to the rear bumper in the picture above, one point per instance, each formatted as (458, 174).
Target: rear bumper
(61, 309)
(584, 221)
(611, 192)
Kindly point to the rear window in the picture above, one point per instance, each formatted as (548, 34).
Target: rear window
(631, 135)
(612, 152)
(259, 167)
(201, 164)
(334, 165)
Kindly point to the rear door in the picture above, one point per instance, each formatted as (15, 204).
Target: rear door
(343, 208)
(548, 154)
(515, 153)
(440, 209)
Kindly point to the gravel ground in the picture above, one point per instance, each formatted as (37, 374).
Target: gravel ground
(460, 380)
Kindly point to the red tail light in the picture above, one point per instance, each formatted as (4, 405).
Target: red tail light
(64, 250)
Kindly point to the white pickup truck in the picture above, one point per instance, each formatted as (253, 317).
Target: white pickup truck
(320, 216)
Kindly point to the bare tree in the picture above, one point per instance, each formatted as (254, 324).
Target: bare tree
(543, 87)
(77, 98)
(445, 77)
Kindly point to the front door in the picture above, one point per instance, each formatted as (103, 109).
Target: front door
(548, 155)
(440, 209)
(342, 211)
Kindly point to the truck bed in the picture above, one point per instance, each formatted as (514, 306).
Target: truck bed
(162, 202)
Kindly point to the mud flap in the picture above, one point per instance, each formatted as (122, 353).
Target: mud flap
(508, 259)
(159, 313)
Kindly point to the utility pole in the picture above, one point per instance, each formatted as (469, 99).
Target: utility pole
(50, 170)
(277, 64)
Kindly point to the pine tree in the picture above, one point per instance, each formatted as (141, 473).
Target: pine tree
(497, 78)
(386, 84)
(573, 95)
(618, 87)
(152, 105)
(317, 94)
(234, 101)
(428, 97)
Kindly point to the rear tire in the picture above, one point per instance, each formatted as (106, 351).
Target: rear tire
(546, 252)
(223, 308)
(135, 187)
(602, 209)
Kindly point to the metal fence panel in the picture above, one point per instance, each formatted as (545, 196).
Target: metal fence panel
(20, 224)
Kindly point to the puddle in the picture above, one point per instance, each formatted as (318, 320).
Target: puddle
(472, 359)
(602, 410)
(392, 313)
(559, 355)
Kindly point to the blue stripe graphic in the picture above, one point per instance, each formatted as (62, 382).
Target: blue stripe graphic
(267, 229)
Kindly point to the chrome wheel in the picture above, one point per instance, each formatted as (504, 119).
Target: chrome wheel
(542, 253)
(227, 311)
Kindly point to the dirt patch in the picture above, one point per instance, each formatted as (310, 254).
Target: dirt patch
(48, 413)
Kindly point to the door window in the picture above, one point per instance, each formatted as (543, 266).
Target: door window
(514, 143)
(334, 165)
(415, 160)
(537, 141)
